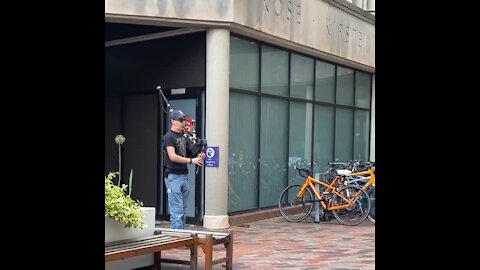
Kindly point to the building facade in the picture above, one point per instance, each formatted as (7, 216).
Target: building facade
(271, 84)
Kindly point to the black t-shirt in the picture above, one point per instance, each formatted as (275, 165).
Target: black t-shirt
(179, 142)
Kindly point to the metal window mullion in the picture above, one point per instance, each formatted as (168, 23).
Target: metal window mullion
(313, 113)
(334, 112)
(259, 121)
(354, 113)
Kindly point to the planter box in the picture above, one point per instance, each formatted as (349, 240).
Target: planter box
(115, 231)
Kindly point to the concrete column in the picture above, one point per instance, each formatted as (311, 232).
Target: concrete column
(372, 122)
(371, 4)
(357, 3)
(216, 125)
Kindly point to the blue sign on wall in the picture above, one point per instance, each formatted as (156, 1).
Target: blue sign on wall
(211, 157)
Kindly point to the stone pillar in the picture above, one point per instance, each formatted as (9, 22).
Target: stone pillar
(372, 122)
(370, 4)
(216, 127)
(357, 3)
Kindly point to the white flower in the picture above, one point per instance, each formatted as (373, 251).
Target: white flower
(119, 139)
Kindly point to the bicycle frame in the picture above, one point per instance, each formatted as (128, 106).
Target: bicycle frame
(369, 173)
(328, 187)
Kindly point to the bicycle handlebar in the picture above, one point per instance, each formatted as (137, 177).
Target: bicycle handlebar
(304, 172)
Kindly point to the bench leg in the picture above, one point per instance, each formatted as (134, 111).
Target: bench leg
(207, 248)
(229, 248)
(194, 254)
(157, 260)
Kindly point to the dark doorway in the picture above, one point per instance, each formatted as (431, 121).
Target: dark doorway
(191, 102)
(132, 73)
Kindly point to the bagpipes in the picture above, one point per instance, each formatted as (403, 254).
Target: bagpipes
(195, 145)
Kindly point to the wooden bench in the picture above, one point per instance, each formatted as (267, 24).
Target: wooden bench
(152, 244)
(206, 240)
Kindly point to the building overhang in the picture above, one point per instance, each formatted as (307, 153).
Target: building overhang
(322, 29)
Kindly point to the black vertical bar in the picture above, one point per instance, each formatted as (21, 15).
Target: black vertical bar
(370, 116)
(289, 106)
(198, 176)
(161, 130)
(354, 113)
(204, 97)
(165, 127)
(334, 112)
(316, 203)
(203, 133)
(313, 115)
(259, 121)
(288, 121)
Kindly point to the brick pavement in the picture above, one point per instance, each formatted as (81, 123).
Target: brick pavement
(278, 244)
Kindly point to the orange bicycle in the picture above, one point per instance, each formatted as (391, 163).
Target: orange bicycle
(364, 177)
(349, 204)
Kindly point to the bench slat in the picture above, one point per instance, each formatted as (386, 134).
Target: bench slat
(137, 248)
(129, 240)
(152, 240)
(198, 232)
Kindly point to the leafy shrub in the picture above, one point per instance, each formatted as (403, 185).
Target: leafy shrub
(120, 206)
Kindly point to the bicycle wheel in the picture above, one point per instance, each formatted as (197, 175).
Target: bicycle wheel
(371, 216)
(357, 212)
(293, 208)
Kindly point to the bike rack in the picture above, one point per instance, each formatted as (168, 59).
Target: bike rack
(316, 206)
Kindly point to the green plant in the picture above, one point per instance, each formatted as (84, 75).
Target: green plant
(120, 206)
